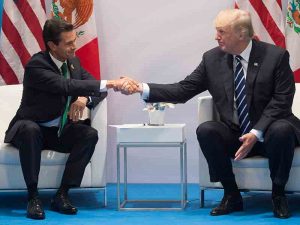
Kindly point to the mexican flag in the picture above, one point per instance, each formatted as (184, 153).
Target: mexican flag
(292, 35)
(81, 14)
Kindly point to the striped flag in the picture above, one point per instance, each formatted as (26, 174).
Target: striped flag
(1, 9)
(267, 19)
(81, 14)
(272, 25)
(293, 36)
(20, 38)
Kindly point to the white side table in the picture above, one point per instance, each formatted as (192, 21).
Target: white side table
(140, 135)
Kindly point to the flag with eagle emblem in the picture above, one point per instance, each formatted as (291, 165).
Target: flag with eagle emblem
(81, 14)
(272, 25)
(292, 34)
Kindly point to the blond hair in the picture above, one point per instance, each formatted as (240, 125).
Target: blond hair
(238, 20)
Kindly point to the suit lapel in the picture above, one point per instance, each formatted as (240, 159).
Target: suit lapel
(226, 69)
(52, 63)
(73, 75)
(254, 63)
(71, 68)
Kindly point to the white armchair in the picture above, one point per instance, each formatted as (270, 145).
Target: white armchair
(250, 173)
(52, 163)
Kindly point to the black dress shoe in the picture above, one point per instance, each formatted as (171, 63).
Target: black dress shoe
(228, 204)
(35, 209)
(62, 204)
(280, 207)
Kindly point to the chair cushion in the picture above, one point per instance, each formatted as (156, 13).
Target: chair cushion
(10, 155)
(262, 162)
(10, 97)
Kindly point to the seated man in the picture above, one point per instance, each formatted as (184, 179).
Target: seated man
(55, 86)
(256, 116)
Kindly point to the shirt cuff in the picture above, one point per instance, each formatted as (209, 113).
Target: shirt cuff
(258, 134)
(146, 91)
(103, 87)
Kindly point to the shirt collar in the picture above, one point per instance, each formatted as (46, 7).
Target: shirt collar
(56, 61)
(246, 53)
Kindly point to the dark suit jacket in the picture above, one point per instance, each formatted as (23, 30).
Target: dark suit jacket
(270, 86)
(45, 90)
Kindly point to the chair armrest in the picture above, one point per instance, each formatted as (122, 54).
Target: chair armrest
(206, 112)
(98, 161)
(205, 109)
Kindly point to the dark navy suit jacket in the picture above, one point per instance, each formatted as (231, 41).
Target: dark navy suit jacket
(45, 90)
(270, 86)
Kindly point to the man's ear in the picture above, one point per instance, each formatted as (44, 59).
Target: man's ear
(51, 45)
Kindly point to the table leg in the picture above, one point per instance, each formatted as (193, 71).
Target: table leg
(185, 170)
(125, 173)
(182, 179)
(118, 176)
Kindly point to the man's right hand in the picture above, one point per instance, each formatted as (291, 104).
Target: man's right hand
(125, 85)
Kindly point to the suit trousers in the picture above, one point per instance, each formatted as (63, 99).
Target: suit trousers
(219, 143)
(77, 139)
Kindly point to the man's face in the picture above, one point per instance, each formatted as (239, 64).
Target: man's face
(66, 47)
(227, 39)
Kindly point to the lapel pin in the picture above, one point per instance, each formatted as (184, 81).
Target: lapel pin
(255, 64)
(72, 67)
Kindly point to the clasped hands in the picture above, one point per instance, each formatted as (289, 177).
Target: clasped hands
(125, 85)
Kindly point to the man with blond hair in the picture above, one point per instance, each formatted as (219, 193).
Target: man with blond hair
(252, 86)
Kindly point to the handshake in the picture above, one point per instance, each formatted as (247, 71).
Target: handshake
(125, 85)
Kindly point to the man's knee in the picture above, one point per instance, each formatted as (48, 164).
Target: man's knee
(91, 134)
(280, 130)
(29, 134)
(29, 129)
(206, 130)
(94, 134)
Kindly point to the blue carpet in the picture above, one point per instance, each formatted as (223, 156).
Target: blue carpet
(90, 203)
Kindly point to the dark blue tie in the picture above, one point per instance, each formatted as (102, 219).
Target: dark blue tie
(240, 96)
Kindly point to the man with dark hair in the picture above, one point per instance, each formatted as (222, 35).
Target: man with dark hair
(52, 30)
(56, 87)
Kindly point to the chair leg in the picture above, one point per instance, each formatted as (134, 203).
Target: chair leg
(105, 197)
(202, 198)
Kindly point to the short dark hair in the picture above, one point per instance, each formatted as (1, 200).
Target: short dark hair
(52, 30)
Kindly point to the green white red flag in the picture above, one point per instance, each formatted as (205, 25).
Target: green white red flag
(81, 14)
(275, 25)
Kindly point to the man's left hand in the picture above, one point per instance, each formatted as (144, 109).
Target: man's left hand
(249, 141)
(76, 109)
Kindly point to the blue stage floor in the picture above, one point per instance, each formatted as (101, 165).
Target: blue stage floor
(258, 208)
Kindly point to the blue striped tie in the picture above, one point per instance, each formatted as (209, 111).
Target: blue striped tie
(240, 96)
